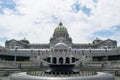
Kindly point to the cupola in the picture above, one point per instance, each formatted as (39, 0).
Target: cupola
(97, 40)
(25, 41)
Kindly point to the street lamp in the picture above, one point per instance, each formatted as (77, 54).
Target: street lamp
(31, 53)
(15, 55)
(83, 54)
(91, 56)
(106, 53)
(106, 56)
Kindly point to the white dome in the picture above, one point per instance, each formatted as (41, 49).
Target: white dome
(61, 46)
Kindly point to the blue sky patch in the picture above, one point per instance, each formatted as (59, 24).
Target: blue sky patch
(76, 7)
(96, 1)
(103, 33)
(107, 33)
(9, 4)
(86, 10)
(116, 28)
(3, 39)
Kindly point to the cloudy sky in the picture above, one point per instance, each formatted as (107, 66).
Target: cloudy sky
(37, 19)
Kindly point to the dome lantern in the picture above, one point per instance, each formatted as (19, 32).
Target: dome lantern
(60, 24)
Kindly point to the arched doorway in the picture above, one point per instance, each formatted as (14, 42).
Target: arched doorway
(54, 60)
(67, 60)
(61, 60)
(73, 59)
(48, 59)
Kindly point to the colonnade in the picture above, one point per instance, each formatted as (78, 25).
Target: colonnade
(61, 60)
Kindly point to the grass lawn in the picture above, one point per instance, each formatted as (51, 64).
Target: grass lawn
(4, 78)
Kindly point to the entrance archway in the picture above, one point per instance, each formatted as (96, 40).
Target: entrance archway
(54, 60)
(61, 60)
(67, 60)
(73, 59)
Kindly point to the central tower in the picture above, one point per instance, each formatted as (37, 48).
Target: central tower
(60, 34)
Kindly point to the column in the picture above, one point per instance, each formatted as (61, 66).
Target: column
(58, 60)
(64, 60)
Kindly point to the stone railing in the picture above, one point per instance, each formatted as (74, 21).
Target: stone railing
(25, 76)
(59, 74)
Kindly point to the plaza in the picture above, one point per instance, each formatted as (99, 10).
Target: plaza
(62, 58)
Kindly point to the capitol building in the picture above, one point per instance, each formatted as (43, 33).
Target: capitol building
(62, 47)
(61, 56)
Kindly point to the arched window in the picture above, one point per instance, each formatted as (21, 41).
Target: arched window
(48, 59)
(54, 60)
(61, 60)
(73, 59)
(67, 60)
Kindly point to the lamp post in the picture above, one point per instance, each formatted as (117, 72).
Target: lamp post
(83, 54)
(91, 54)
(83, 57)
(15, 55)
(106, 55)
(31, 53)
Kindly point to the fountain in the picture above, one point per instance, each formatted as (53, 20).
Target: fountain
(61, 62)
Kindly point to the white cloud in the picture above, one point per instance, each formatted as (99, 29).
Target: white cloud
(38, 19)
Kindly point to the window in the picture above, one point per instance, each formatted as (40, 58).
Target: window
(12, 47)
